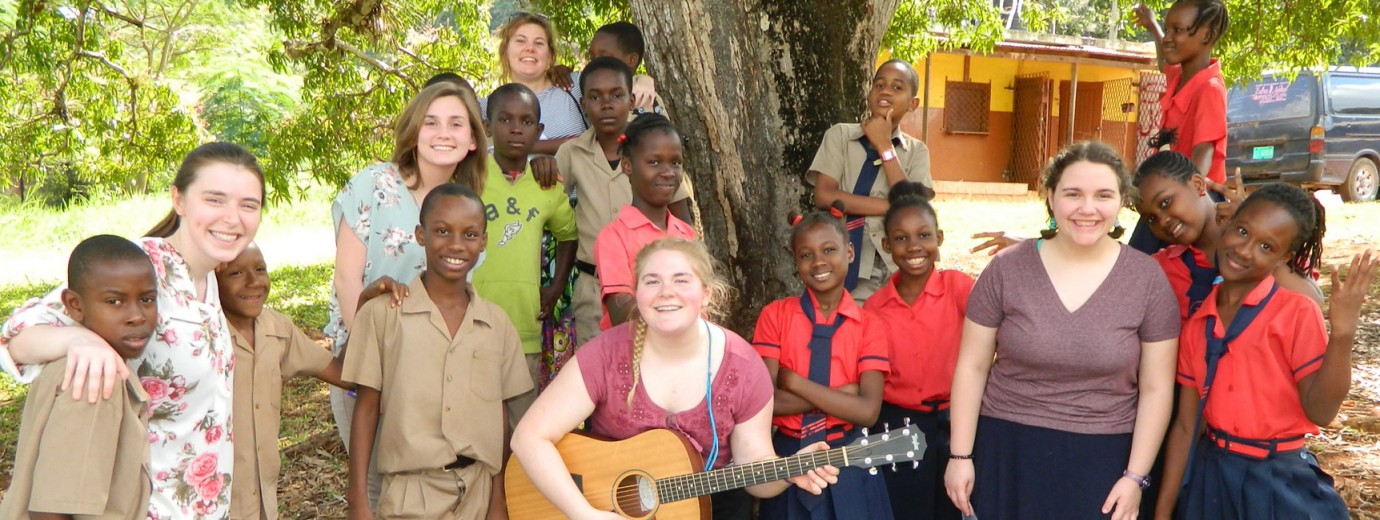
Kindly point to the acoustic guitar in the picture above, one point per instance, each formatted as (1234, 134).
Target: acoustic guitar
(657, 473)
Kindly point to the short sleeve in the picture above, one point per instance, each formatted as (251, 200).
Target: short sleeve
(77, 449)
(593, 358)
(516, 380)
(1186, 372)
(613, 262)
(565, 165)
(302, 356)
(876, 350)
(1210, 113)
(830, 157)
(562, 221)
(47, 310)
(767, 337)
(364, 357)
(1310, 338)
(985, 302)
(1162, 321)
(959, 289)
(355, 201)
(917, 165)
(754, 384)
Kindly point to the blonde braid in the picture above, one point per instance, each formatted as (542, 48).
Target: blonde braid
(639, 340)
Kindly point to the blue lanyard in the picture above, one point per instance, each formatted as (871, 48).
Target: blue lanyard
(709, 397)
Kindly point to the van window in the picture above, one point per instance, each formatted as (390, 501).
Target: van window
(1355, 95)
(1271, 98)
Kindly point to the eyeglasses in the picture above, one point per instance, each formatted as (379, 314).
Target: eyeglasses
(525, 14)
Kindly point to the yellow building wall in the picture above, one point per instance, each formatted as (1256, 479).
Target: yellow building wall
(1002, 72)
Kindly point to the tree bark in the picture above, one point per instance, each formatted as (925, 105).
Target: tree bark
(753, 86)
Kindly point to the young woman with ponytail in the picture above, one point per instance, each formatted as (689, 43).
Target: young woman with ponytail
(217, 199)
(652, 373)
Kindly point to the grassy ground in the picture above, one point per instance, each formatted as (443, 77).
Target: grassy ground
(314, 464)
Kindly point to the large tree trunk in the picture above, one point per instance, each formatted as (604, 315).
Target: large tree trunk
(753, 85)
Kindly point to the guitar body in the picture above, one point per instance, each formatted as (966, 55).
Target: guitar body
(604, 470)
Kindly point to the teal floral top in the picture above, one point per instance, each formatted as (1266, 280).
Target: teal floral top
(376, 206)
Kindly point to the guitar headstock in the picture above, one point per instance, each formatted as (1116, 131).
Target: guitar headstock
(904, 444)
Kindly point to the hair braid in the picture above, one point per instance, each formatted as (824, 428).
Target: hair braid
(1309, 256)
(639, 341)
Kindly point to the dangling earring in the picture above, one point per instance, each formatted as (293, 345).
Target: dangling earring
(1051, 229)
(1117, 230)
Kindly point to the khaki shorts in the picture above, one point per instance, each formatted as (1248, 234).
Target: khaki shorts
(588, 308)
(437, 494)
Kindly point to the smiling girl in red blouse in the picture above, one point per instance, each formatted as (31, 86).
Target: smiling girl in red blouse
(1259, 372)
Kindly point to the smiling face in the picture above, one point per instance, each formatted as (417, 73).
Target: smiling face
(607, 101)
(1176, 212)
(244, 284)
(891, 91)
(1255, 241)
(1181, 42)
(120, 305)
(220, 212)
(822, 255)
(671, 294)
(913, 239)
(515, 126)
(529, 53)
(654, 168)
(1085, 202)
(445, 137)
(452, 232)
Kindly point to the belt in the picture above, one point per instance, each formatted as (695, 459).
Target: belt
(461, 462)
(1254, 448)
(585, 267)
(935, 406)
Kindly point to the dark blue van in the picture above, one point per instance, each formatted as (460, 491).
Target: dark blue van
(1321, 131)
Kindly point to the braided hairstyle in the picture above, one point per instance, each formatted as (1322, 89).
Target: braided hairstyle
(703, 265)
(905, 195)
(1168, 164)
(642, 126)
(832, 218)
(1095, 152)
(1212, 15)
(1308, 215)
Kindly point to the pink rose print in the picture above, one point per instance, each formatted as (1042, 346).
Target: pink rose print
(214, 433)
(169, 336)
(162, 476)
(156, 388)
(203, 507)
(202, 467)
(210, 488)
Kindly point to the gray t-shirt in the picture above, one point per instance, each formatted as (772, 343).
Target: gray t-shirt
(1078, 371)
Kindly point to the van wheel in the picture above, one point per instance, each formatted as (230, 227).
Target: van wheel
(1361, 183)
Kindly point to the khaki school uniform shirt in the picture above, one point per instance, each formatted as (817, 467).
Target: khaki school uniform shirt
(78, 458)
(442, 395)
(280, 351)
(841, 157)
(602, 190)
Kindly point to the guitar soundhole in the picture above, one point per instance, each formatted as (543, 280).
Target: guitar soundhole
(635, 495)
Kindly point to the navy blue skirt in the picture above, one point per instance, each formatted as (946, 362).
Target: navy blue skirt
(1029, 472)
(857, 494)
(918, 492)
(1287, 485)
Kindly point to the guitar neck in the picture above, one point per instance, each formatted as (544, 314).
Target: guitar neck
(693, 485)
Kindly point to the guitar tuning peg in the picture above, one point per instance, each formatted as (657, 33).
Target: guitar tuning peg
(905, 421)
(893, 467)
(872, 471)
(914, 464)
(886, 427)
(864, 432)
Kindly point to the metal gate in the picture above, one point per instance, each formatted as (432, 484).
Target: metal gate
(1118, 125)
(1030, 132)
(1148, 120)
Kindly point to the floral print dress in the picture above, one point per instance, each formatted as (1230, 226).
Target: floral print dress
(187, 370)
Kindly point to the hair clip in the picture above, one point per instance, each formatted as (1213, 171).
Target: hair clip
(622, 138)
(837, 213)
(795, 219)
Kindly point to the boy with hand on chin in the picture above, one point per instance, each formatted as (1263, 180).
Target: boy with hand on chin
(90, 460)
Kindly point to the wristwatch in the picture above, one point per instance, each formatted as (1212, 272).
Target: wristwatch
(888, 155)
(1141, 480)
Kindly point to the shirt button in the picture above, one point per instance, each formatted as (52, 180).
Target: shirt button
(450, 378)
(447, 408)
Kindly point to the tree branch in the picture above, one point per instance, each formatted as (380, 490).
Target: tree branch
(122, 17)
(101, 57)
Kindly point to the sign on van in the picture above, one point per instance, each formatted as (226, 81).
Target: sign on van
(1266, 93)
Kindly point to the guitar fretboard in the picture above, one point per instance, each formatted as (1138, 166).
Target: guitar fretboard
(682, 487)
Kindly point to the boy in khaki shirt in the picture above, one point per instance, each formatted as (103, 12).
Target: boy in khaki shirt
(433, 374)
(90, 460)
(589, 166)
(269, 349)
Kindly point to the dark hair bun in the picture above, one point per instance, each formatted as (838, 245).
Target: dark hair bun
(908, 189)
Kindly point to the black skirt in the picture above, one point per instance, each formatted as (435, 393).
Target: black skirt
(1287, 485)
(918, 492)
(1029, 472)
